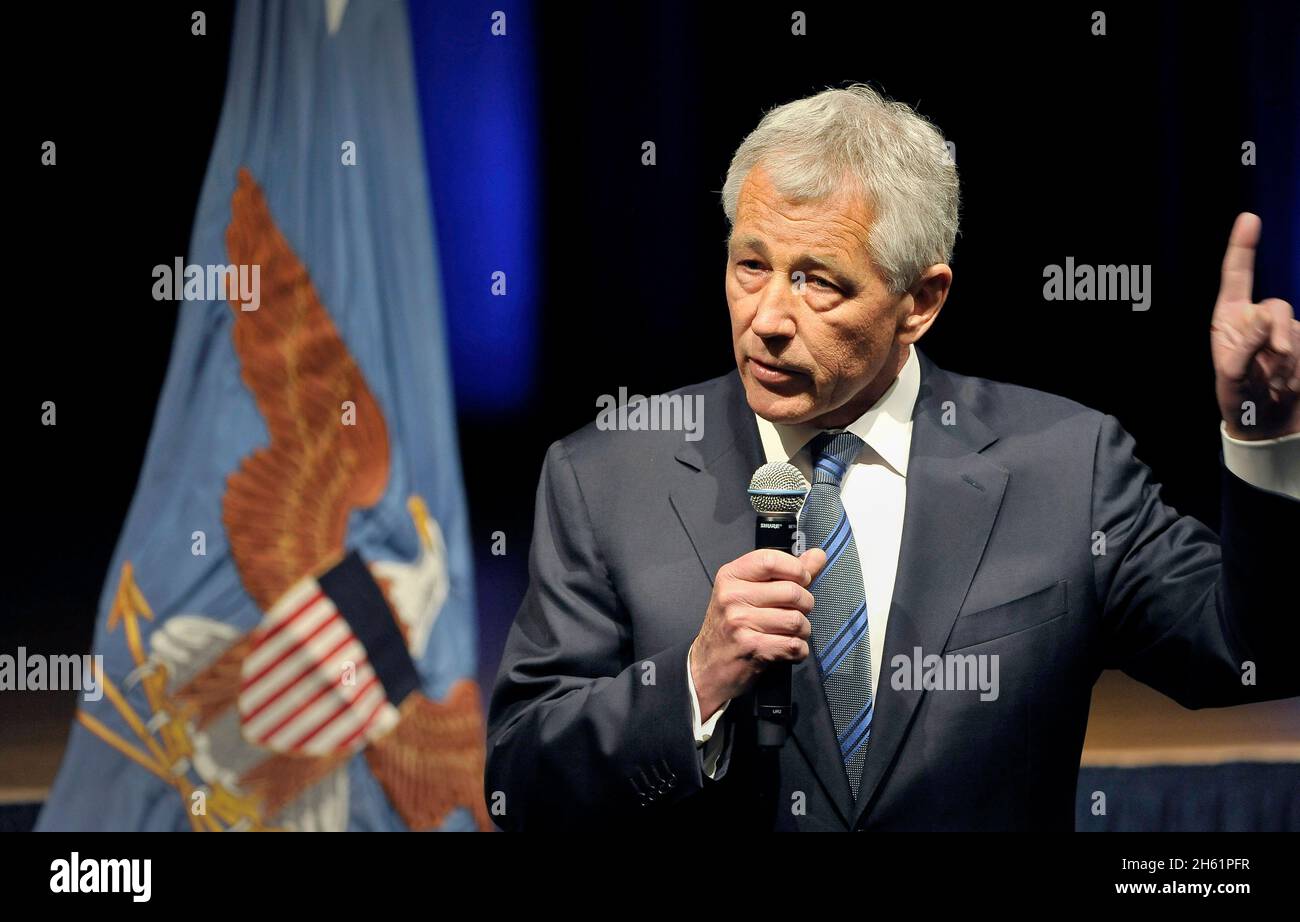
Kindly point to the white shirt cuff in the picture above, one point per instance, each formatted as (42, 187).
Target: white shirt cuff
(703, 730)
(1267, 464)
(707, 740)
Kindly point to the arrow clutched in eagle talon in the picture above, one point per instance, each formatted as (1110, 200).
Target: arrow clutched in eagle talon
(143, 671)
(128, 605)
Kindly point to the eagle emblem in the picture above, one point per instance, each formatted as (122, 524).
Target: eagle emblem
(259, 727)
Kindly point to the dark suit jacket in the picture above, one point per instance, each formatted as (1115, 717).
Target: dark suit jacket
(590, 720)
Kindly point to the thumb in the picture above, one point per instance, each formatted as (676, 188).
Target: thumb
(813, 560)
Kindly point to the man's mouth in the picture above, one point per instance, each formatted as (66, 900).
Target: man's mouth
(772, 374)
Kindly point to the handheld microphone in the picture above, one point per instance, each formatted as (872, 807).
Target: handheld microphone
(777, 492)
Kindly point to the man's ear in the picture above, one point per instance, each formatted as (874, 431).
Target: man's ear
(924, 299)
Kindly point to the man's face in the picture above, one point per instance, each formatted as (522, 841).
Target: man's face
(821, 348)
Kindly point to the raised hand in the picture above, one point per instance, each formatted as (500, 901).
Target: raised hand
(1254, 347)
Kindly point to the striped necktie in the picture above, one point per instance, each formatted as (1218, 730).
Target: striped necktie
(839, 615)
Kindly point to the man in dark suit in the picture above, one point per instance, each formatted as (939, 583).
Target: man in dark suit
(979, 552)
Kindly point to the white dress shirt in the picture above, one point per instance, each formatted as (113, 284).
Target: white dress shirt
(874, 494)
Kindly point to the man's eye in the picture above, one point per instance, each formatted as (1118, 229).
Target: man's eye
(751, 264)
(821, 282)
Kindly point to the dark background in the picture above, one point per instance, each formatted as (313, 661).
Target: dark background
(1122, 149)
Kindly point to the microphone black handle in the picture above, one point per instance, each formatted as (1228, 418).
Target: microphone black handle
(772, 704)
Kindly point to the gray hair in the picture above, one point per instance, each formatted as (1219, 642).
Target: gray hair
(897, 159)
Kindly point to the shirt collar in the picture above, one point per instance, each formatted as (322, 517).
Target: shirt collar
(886, 427)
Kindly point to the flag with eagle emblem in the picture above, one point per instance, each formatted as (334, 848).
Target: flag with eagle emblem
(288, 624)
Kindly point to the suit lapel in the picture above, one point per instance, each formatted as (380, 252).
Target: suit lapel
(709, 494)
(710, 500)
(953, 497)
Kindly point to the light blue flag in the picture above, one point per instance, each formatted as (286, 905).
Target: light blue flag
(288, 623)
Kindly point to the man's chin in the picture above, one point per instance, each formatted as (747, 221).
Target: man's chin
(787, 408)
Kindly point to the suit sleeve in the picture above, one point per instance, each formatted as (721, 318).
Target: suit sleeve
(579, 734)
(1210, 621)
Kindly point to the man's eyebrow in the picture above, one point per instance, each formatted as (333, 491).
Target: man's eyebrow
(748, 242)
(816, 262)
(811, 260)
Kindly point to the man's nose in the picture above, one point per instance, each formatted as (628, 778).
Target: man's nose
(775, 315)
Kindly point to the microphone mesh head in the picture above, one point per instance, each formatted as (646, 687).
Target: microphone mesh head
(777, 487)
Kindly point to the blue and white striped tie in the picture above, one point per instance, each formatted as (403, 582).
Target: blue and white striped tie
(839, 616)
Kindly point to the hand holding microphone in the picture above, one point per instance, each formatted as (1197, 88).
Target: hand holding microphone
(757, 619)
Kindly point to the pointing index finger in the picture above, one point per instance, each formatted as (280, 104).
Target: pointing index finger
(1238, 276)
